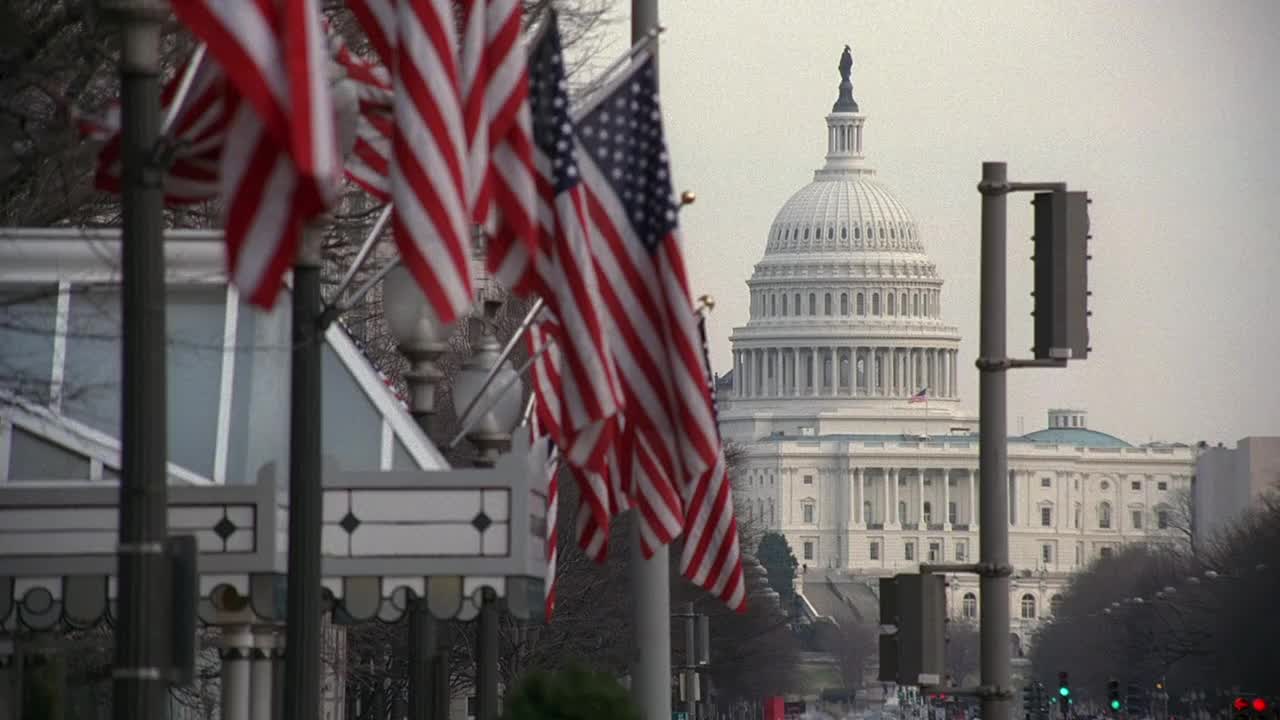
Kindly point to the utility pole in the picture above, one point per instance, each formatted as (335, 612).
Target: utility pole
(1061, 333)
(650, 579)
(993, 451)
(302, 601)
(142, 644)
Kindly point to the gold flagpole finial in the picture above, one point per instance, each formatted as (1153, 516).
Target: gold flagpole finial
(688, 197)
(706, 303)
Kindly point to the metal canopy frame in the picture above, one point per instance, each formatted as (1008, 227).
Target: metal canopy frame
(389, 536)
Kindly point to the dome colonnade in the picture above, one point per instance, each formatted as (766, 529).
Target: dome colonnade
(845, 302)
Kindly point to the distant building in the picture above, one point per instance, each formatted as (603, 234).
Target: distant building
(1229, 481)
(844, 391)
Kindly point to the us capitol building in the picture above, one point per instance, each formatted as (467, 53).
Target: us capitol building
(846, 326)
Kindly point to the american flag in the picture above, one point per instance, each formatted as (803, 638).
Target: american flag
(198, 132)
(631, 212)
(564, 274)
(545, 417)
(200, 128)
(280, 166)
(919, 397)
(712, 558)
(369, 165)
(428, 174)
(495, 88)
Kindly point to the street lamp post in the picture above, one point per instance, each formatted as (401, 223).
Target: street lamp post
(303, 591)
(142, 657)
(490, 433)
(422, 341)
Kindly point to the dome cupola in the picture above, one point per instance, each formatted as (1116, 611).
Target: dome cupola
(845, 304)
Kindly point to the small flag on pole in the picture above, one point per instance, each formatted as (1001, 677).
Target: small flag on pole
(922, 396)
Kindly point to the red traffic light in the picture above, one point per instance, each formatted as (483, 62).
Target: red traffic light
(1240, 704)
(1259, 705)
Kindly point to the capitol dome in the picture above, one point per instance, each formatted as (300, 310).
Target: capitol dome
(846, 307)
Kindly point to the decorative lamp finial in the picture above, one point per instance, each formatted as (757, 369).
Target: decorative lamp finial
(846, 103)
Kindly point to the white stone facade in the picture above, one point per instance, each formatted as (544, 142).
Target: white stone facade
(845, 327)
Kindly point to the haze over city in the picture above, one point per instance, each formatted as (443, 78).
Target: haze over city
(1163, 112)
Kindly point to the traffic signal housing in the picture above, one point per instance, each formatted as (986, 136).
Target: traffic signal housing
(916, 605)
(1061, 275)
(1113, 695)
(1064, 686)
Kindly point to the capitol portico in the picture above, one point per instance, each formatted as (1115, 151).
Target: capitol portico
(844, 394)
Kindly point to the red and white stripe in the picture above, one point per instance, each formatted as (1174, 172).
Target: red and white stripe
(199, 128)
(428, 173)
(280, 167)
(502, 188)
(369, 164)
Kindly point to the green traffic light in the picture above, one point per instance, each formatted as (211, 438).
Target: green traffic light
(1115, 704)
(1064, 691)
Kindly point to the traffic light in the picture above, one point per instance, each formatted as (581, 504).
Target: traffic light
(1064, 687)
(1061, 275)
(915, 653)
(1113, 694)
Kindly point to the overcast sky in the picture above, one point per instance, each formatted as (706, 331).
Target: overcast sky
(1166, 112)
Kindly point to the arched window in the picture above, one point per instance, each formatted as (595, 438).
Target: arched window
(969, 606)
(915, 304)
(831, 233)
(1028, 607)
(862, 310)
(784, 304)
(826, 304)
(798, 305)
(888, 301)
(1055, 604)
(770, 512)
(844, 233)
(928, 512)
(806, 233)
(751, 510)
(760, 509)
(875, 303)
(844, 303)
(773, 304)
(857, 232)
(867, 515)
(926, 304)
(904, 304)
(1104, 516)
(902, 511)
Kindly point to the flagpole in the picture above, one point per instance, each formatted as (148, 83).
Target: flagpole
(142, 661)
(651, 577)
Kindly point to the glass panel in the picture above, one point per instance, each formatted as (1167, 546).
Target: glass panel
(27, 317)
(195, 319)
(34, 458)
(259, 433)
(92, 377)
(352, 426)
(400, 457)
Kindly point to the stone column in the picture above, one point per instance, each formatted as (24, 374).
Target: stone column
(891, 498)
(814, 378)
(862, 497)
(946, 500)
(835, 370)
(262, 671)
(920, 506)
(973, 499)
(955, 372)
(237, 647)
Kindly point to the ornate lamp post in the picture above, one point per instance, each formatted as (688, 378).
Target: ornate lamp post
(499, 407)
(422, 340)
(496, 412)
